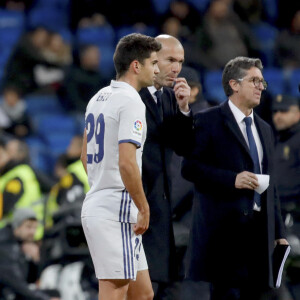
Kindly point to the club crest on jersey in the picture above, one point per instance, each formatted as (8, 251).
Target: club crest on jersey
(138, 127)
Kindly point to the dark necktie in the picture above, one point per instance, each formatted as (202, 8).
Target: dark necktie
(253, 153)
(158, 95)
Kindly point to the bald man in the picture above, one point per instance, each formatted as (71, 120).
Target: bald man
(169, 124)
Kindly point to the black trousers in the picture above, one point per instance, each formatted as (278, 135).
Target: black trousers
(256, 285)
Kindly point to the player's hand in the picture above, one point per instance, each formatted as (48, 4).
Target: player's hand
(182, 93)
(142, 223)
(246, 180)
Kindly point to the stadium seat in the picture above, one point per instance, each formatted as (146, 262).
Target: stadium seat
(12, 24)
(99, 35)
(49, 124)
(11, 19)
(266, 36)
(124, 30)
(294, 83)
(50, 18)
(213, 89)
(201, 5)
(276, 80)
(106, 67)
(161, 6)
(37, 105)
(39, 154)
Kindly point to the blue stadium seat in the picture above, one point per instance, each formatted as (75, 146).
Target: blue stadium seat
(124, 30)
(12, 24)
(276, 80)
(266, 36)
(271, 11)
(11, 19)
(212, 85)
(58, 142)
(100, 35)
(106, 67)
(39, 156)
(50, 18)
(49, 124)
(201, 5)
(161, 6)
(43, 104)
(294, 83)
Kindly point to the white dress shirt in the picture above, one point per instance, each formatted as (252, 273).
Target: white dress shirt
(239, 117)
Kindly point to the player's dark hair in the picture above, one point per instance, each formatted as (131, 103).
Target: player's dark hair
(132, 47)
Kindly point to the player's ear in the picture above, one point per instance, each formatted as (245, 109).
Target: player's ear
(136, 66)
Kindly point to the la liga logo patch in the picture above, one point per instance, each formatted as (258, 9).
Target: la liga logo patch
(138, 125)
(137, 128)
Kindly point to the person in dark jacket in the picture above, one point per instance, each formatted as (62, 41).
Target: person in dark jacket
(234, 229)
(169, 123)
(286, 119)
(18, 255)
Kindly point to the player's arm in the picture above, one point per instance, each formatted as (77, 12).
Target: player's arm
(84, 151)
(131, 177)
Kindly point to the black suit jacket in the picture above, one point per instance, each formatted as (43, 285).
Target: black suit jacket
(162, 139)
(219, 246)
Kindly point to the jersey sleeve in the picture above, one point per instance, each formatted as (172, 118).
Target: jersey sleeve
(132, 122)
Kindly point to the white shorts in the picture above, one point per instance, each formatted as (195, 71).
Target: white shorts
(117, 252)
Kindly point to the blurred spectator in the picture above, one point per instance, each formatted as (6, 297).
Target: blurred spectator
(14, 109)
(288, 45)
(87, 12)
(249, 11)
(222, 36)
(197, 101)
(72, 179)
(16, 4)
(19, 188)
(27, 55)
(286, 118)
(19, 258)
(57, 51)
(286, 9)
(131, 12)
(18, 152)
(82, 81)
(185, 13)
(28, 68)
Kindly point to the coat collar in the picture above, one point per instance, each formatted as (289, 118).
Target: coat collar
(231, 123)
(150, 104)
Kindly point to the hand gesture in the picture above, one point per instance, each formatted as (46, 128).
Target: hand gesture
(182, 93)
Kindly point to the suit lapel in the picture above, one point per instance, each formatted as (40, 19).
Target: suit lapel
(231, 123)
(150, 104)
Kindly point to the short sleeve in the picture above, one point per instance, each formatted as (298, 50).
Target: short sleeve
(132, 122)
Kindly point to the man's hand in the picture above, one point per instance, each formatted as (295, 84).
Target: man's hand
(31, 250)
(281, 242)
(182, 94)
(142, 223)
(246, 180)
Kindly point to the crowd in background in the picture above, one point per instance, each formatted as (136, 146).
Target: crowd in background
(55, 54)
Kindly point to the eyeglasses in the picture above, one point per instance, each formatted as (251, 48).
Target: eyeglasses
(256, 81)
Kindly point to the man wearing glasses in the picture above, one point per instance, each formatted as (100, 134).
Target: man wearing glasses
(234, 228)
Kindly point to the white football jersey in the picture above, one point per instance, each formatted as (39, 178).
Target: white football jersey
(116, 114)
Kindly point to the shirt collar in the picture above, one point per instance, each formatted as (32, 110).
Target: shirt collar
(122, 84)
(152, 90)
(238, 114)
